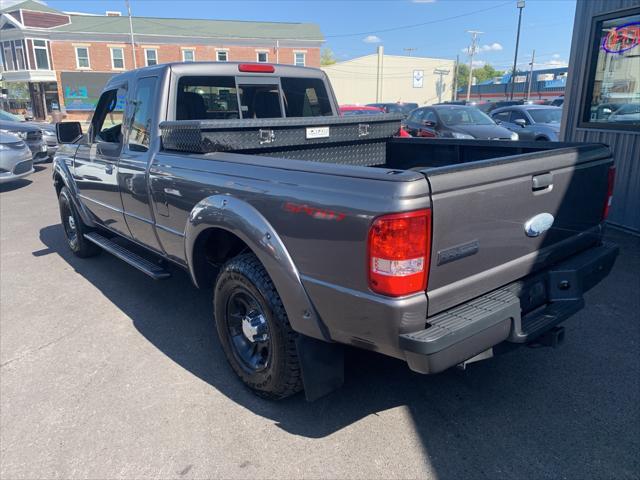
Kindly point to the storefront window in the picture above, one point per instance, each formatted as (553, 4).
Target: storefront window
(614, 87)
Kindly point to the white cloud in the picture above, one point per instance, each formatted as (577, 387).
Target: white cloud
(555, 55)
(478, 63)
(492, 47)
(371, 39)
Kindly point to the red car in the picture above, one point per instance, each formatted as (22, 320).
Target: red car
(346, 110)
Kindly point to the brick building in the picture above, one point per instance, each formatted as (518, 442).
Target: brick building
(64, 59)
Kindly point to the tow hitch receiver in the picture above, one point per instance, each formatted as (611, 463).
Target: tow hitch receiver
(552, 338)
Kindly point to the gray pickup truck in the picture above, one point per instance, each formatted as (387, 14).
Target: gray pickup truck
(314, 231)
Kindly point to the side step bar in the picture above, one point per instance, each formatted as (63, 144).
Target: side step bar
(145, 266)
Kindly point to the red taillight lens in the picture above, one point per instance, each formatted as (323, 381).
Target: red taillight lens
(399, 246)
(611, 176)
(256, 68)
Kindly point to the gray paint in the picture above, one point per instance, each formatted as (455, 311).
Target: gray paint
(625, 145)
(319, 263)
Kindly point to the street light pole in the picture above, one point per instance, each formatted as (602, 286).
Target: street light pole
(533, 59)
(133, 44)
(472, 51)
(520, 6)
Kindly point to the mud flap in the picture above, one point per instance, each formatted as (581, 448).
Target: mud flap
(322, 365)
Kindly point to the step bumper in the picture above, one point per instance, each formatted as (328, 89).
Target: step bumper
(473, 327)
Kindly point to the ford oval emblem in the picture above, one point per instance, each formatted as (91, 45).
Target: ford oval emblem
(539, 224)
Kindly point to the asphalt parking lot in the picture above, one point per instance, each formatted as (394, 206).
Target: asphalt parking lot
(107, 374)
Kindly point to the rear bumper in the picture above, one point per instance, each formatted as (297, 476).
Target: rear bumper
(519, 312)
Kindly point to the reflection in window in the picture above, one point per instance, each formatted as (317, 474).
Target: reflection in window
(615, 92)
(142, 115)
(207, 97)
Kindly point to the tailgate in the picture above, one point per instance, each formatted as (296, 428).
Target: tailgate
(480, 209)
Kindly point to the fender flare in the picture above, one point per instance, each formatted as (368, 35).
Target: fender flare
(61, 169)
(244, 221)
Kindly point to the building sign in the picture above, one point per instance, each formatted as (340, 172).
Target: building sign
(418, 78)
(622, 38)
(81, 90)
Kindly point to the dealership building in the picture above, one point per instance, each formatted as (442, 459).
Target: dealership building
(56, 60)
(602, 97)
(392, 78)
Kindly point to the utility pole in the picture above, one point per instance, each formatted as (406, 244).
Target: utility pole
(440, 86)
(379, 71)
(533, 58)
(409, 50)
(454, 92)
(520, 6)
(472, 52)
(133, 44)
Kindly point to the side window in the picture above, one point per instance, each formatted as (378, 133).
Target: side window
(517, 115)
(106, 124)
(201, 98)
(430, 116)
(417, 115)
(142, 105)
(502, 116)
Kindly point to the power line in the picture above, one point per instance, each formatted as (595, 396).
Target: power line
(422, 24)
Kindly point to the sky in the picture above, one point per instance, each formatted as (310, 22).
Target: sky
(434, 28)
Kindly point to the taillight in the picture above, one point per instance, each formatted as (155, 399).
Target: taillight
(399, 246)
(256, 68)
(611, 176)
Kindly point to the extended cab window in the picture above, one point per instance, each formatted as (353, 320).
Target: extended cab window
(305, 97)
(142, 117)
(201, 98)
(107, 120)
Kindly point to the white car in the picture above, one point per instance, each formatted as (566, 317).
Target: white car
(16, 159)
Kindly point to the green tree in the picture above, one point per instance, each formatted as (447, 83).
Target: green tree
(327, 57)
(481, 74)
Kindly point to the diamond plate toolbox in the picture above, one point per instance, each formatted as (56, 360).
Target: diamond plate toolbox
(362, 138)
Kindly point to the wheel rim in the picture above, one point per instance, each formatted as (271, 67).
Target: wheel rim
(69, 223)
(248, 331)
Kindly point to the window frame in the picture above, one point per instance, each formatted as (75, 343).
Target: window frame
(226, 54)
(18, 45)
(88, 67)
(10, 57)
(124, 64)
(146, 56)
(262, 52)
(590, 74)
(192, 50)
(35, 47)
(304, 59)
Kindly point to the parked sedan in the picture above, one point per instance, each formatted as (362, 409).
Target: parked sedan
(31, 133)
(531, 122)
(15, 158)
(628, 112)
(455, 121)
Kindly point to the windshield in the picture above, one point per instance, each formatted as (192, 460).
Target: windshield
(347, 113)
(401, 107)
(546, 115)
(9, 116)
(464, 116)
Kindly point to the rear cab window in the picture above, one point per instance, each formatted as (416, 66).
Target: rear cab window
(231, 97)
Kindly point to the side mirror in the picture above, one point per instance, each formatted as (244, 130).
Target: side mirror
(429, 123)
(497, 122)
(68, 132)
(520, 121)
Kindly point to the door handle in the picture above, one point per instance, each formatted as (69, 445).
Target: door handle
(108, 168)
(542, 181)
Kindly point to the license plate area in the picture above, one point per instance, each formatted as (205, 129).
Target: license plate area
(317, 132)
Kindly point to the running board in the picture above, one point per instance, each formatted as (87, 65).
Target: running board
(145, 266)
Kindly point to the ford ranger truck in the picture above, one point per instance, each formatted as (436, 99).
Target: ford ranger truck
(315, 231)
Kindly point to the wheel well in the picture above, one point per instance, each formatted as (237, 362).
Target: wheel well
(58, 183)
(212, 249)
(542, 139)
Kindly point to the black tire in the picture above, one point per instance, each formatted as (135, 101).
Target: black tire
(243, 284)
(542, 139)
(73, 227)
